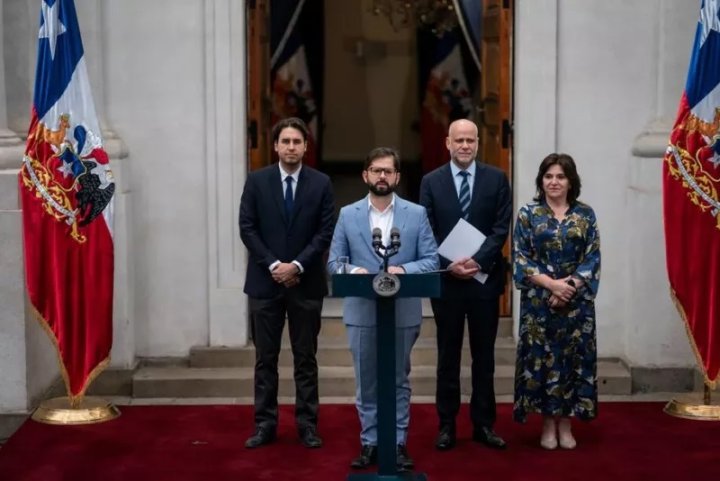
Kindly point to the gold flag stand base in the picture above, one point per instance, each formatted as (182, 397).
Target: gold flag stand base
(691, 409)
(91, 410)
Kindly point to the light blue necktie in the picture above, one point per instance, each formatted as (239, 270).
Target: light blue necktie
(288, 197)
(464, 196)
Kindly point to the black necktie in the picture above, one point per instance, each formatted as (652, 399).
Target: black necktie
(288, 196)
(464, 195)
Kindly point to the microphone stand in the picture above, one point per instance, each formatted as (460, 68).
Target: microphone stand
(386, 252)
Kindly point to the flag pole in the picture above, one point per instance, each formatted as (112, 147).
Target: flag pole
(706, 395)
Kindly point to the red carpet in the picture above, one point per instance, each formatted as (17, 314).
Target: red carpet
(629, 441)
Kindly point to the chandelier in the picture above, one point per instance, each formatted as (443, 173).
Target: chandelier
(437, 15)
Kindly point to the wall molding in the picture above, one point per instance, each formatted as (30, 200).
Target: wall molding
(653, 140)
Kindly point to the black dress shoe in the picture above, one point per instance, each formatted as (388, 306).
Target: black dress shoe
(488, 437)
(309, 437)
(262, 436)
(403, 461)
(445, 439)
(368, 456)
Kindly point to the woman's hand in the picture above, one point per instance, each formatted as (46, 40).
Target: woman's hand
(556, 303)
(562, 290)
(578, 281)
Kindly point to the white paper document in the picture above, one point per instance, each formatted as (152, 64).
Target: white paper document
(464, 240)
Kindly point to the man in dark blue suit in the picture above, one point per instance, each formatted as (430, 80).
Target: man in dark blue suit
(286, 223)
(479, 193)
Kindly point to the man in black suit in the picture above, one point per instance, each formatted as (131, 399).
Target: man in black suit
(479, 193)
(286, 223)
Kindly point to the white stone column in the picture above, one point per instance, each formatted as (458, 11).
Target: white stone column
(13, 372)
(20, 31)
(651, 314)
(676, 30)
(225, 120)
(11, 146)
(92, 26)
(28, 362)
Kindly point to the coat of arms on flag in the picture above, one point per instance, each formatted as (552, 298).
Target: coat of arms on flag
(691, 182)
(67, 190)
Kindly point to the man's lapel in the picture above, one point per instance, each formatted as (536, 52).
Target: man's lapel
(361, 222)
(400, 215)
(448, 185)
(475, 200)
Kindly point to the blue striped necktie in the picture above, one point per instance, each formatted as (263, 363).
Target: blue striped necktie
(288, 197)
(464, 196)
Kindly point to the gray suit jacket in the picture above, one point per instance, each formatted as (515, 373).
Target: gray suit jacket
(418, 253)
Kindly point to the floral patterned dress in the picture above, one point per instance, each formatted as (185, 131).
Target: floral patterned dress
(556, 366)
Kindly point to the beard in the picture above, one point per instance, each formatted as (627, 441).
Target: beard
(381, 188)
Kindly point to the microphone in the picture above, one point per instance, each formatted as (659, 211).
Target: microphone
(395, 239)
(377, 239)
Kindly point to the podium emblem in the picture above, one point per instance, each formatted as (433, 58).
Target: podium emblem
(386, 285)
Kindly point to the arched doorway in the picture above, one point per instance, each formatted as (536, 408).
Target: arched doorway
(370, 91)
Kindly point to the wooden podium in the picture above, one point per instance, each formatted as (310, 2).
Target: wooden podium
(371, 286)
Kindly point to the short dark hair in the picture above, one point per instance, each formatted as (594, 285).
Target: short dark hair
(568, 166)
(292, 122)
(380, 152)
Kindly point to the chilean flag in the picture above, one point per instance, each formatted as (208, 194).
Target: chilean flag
(296, 66)
(691, 196)
(447, 78)
(66, 189)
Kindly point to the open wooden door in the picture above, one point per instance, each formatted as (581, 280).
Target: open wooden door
(495, 109)
(258, 83)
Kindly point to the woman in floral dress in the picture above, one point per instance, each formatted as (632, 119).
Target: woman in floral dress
(556, 252)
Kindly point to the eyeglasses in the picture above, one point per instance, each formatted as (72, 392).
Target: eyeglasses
(378, 171)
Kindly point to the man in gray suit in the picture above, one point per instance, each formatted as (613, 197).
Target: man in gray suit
(418, 253)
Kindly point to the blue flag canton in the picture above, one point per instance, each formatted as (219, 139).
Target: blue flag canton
(704, 72)
(59, 51)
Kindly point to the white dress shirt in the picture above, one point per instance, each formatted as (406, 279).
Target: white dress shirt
(382, 220)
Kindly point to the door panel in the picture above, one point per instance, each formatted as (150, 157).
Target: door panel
(258, 81)
(495, 107)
